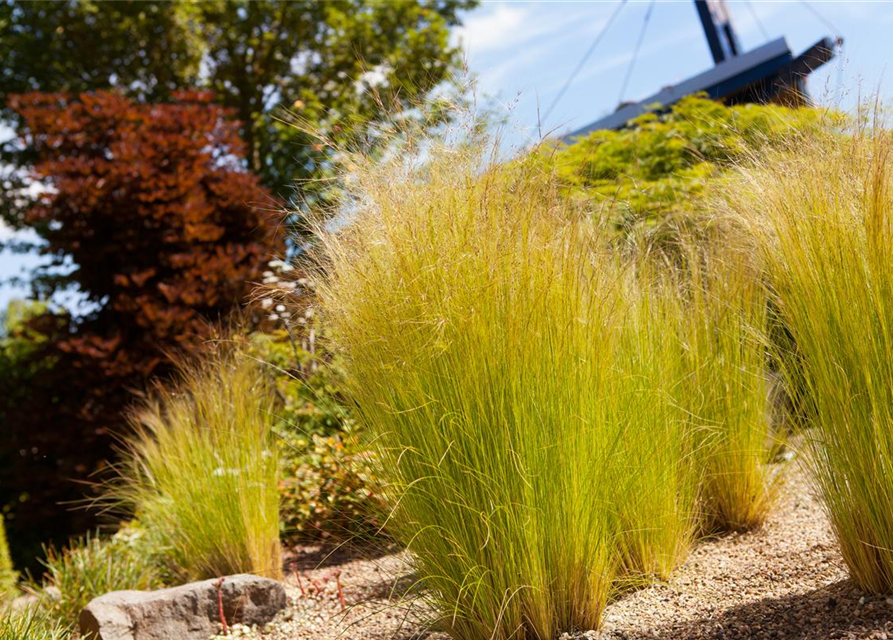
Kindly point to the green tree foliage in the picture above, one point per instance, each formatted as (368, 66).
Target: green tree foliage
(320, 61)
(664, 164)
(143, 48)
(167, 231)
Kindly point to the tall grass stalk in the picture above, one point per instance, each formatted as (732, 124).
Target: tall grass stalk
(822, 217)
(515, 388)
(201, 469)
(723, 309)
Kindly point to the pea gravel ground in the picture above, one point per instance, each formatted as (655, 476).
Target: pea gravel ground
(785, 581)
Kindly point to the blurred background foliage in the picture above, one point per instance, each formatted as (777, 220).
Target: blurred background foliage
(319, 63)
(656, 173)
(123, 226)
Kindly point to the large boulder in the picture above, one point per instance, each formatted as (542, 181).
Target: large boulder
(185, 612)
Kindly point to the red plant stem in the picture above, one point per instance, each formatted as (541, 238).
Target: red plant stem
(340, 589)
(301, 586)
(219, 585)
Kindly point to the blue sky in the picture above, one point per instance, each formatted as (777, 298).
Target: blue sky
(523, 51)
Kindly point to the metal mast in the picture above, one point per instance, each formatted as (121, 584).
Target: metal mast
(717, 23)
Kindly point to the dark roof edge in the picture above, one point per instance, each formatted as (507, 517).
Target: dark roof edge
(776, 51)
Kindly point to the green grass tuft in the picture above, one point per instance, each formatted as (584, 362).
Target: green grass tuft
(9, 577)
(822, 218)
(723, 313)
(31, 623)
(90, 567)
(519, 396)
(201, 470)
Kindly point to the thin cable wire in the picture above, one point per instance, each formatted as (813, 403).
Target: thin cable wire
(838, 36)
(584, 59)
(756, 19)
(837, 32)
(632, 62)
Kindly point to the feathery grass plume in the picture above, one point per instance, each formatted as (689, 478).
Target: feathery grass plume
(822, 218)
(505, 365)
(201, 469)
(657, 477)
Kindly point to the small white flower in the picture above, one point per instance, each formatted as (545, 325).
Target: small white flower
(273, 316)
(309, 313)
(268, 274)
(266, 303)
(280, 308)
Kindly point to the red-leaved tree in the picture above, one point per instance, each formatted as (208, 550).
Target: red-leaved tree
(158, 230)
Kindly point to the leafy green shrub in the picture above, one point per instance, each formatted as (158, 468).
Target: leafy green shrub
(328, 486)
(8, 575)
(664, 166)
(822, 219)
(90, 567)
(515, 390)
(202, 467)
(329, 491)
(30, 623)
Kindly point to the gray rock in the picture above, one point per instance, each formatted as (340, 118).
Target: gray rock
(185, 612)
(24, 602)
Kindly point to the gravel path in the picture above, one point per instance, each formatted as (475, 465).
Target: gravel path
(785, 581)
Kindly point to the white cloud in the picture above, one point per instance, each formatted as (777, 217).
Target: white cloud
(499, 29)
(508, 28)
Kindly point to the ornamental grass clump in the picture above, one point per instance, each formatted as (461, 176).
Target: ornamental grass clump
(201, 470)
(656, 473)
(717, 310)
(721, 314)
(822, 218)
(505, 364)
(9, 577)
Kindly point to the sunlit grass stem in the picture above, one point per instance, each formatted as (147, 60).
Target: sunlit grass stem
(822, 219)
